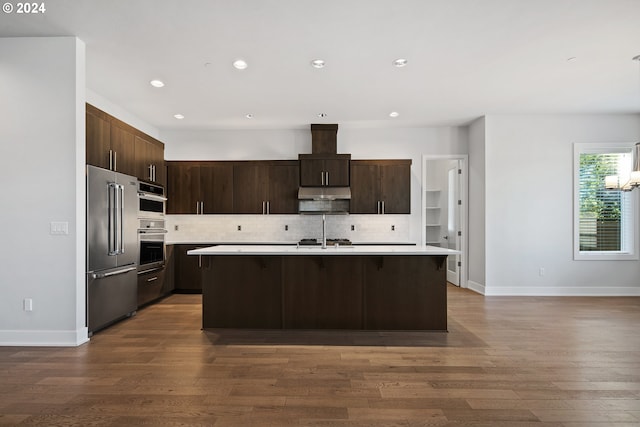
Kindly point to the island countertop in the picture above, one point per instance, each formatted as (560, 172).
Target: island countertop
(318, 250)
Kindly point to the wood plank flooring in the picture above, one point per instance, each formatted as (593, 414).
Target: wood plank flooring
(506, 361)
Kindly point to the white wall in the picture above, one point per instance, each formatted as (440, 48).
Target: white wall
(390, 143)
(42, 154)
(529, 206)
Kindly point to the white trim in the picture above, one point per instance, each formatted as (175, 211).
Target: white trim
(34, 338)
(547, 291)
(464, 185)
(595, 148)
(476, 287)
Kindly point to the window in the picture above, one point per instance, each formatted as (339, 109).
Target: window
(605, 225)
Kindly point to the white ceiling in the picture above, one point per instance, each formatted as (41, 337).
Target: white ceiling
(467, 58)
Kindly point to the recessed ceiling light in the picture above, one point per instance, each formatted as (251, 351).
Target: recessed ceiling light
(156, 83)
(572, 58)
(317, 63)
(322, 115)
(240, 64)
(178, 116)
(400, 62)
(249, 116)
(394, 114)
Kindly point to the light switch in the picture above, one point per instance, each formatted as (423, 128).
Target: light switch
(59, 228)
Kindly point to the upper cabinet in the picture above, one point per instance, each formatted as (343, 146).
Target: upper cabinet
(265, 187)
(324, 170)
(199, 187)
(115, 145)
(149, 160)
(381, 186)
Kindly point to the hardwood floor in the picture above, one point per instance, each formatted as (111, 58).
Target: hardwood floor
(506, 361)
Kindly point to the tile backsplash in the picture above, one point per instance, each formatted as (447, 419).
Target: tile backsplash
(285, 228)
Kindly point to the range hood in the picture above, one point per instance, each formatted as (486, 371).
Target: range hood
(324, 193)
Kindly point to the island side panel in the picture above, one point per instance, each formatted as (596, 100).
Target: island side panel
(242, 292)
(323, 292)
(405, 293)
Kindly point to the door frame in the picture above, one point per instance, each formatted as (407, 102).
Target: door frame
(464, 213)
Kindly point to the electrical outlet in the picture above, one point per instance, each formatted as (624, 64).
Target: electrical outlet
(393, 228)
(353, 227)
(239, 228)
(541, 271)
(27, 304)
(59, 228)
(175, 227)
(286, 228)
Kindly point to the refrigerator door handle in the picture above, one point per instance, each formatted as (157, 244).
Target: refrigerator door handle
(112, 273)
(112, 220)
(121, 222)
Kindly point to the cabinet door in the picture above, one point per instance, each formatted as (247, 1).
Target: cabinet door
(242, 292)
(155, 153)
(405, 292)
(395, 188)
(284, 180)
(98, 138)
(311, 172)
(123, 147)
(250, 187)
(322, 292)
(187, 269)
(336, 172)
(142, 158)
(183, 188)
(169, 271)
(216, 187)
(150, 286)
(365, 188)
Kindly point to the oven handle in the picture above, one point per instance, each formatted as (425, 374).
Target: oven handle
(151, 196)
(152, 231)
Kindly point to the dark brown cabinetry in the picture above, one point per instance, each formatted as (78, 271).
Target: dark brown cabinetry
(394, 292)
(265, 187)
(253, 301)
(187, 269)
(314, 299)
(381, 186)
(199, 187)
(149, 160)
(324, 170)
(151, 286)
(115, 145)
(405, 292)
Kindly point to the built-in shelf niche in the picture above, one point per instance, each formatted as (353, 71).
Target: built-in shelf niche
(433, 215)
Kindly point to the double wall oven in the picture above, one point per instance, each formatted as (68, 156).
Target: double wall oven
(151, 227)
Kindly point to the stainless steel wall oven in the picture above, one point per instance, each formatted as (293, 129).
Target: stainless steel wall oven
(151, 233)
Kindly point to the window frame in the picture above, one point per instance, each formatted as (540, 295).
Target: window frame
(632, 253)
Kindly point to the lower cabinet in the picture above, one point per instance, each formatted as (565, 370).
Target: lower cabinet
(151, 286)
(322, 292)
(245, 292)
(187, 275)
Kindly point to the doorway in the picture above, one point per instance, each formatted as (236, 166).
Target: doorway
(444, 210)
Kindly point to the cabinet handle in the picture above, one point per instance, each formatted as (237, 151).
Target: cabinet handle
(201, 208)
(110, 160)
(327, 174)
(268, 207)
(378, 207)
(197, 208)
(152, 279)
(199, 261)
(155, 177)
(115, 161)
(382, 207)
(322, 177)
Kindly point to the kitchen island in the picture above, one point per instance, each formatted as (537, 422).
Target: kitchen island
(377, 287)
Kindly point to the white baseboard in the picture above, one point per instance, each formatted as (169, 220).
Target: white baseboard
(475, 286)
(548, 291)
(44, 338)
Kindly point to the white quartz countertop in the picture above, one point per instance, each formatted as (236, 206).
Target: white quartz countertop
(317, 250)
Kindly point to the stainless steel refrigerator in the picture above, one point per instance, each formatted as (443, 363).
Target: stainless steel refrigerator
(112, 246)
